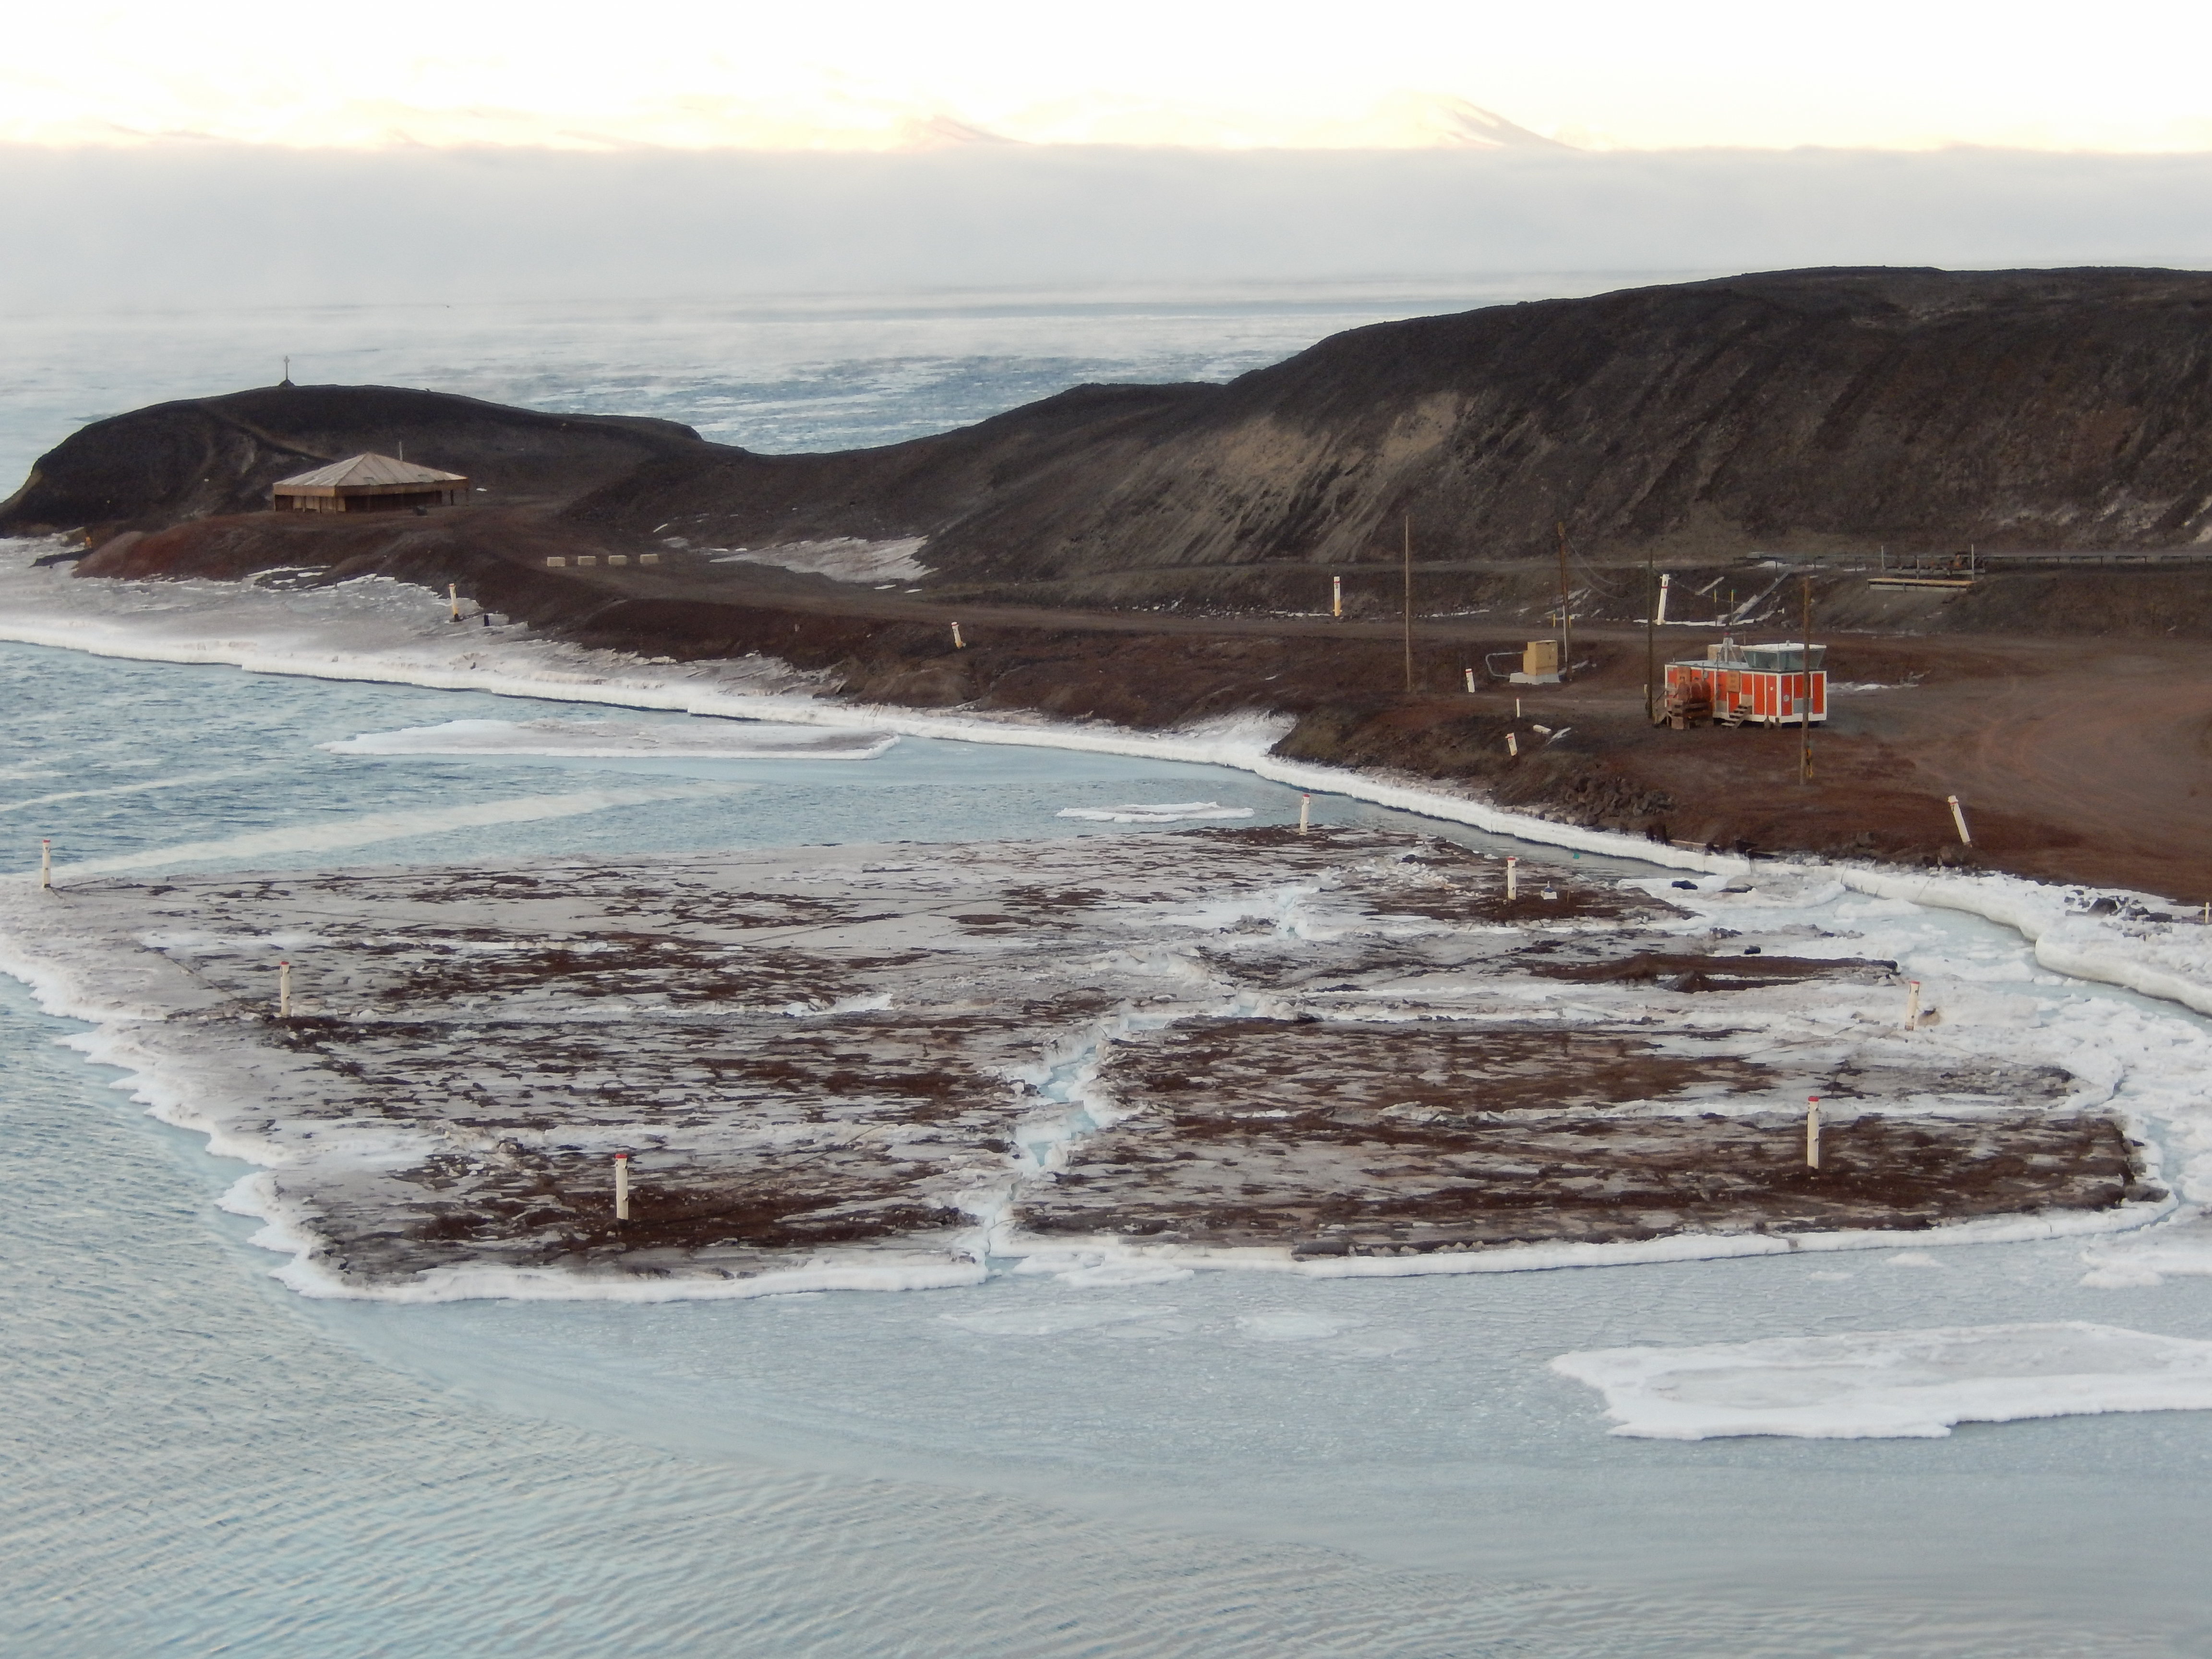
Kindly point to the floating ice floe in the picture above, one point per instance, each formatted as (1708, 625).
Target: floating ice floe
(1291, 1326)
(686, 739)
(2180, 1248)
(1173, 811)
(1894, 1384)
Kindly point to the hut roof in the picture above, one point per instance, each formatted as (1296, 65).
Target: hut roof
(367, 469)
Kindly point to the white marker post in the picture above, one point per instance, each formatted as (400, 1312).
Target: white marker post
(453, 598)
(1958, 817)
(1513, 745)
(45, 862)
(1517, 709)
(1512, 878)
(1811, 1131)
(1470, 682)
(1305, 812)
(622, 1186)
(1913, 1005)
(959, 644)
(283, 990)
(1336, 598)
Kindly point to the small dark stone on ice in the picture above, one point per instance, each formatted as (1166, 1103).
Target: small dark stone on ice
(1687, 886)
(1751, 949)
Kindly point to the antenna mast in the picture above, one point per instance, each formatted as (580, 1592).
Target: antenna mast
(1409, 602)
(1566, 618)
(1651, 636)
(1805, 693)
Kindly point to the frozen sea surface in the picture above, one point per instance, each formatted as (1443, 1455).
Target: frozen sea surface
(1887, 1385)
(1158, 811)
(615, 740)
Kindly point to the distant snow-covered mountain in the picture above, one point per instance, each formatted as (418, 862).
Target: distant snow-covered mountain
(1405, 120)
(835, 119)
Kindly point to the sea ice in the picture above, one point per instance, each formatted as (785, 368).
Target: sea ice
(1292, 1326)
(2179, 1248)
(606, 739)
(1052, 1320)
(1173, 811)
(1893, 1385)
(1116, 1275)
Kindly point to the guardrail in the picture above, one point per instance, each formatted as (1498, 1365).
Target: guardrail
(1978, 564)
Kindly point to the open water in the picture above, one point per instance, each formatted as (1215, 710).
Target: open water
(194, 1461)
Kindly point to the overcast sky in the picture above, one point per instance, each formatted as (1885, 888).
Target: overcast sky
(2120, 75)
(236, 152)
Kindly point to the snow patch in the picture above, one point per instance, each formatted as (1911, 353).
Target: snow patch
(841, 558)
(620, 740)
(1174, 812)
(2181, 1249)
(1291, 1326)
(1893, 1385)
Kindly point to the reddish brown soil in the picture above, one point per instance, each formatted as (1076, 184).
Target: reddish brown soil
(2075, 759)
(2084, 757)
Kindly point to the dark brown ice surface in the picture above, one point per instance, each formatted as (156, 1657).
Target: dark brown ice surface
(905, 1057)
(1379, 1139)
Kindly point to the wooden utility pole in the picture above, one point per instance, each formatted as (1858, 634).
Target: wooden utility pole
(1805, 694)
(1651, 637)
(1566, 611)
(1409, 602)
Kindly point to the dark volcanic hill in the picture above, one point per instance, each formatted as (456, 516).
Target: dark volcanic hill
(1795, 410)
(205, 456)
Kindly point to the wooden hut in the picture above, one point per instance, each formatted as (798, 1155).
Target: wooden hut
(368, 483)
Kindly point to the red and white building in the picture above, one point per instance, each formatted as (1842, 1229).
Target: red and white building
(1751, 684)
